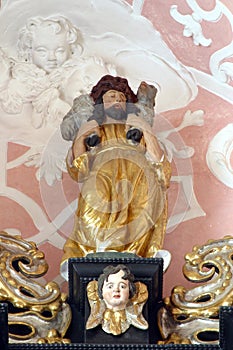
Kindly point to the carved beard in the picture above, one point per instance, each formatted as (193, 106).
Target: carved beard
(116, 113)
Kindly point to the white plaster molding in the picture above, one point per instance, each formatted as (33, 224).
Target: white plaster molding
(223, 72)
(186, 206)
(195, 118)
(114, 42)
(210, 83)
(192, 26)
(212, 15)
(42, 98)
(30, 206)
(219, 155)
(220, 69)
(3, 162)
(34, 100)
(49, 233)
(3, 3)
(191, 207)
(137, 6)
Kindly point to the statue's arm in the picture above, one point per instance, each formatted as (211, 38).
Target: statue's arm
(154, 153)
(78, 158)
(163, 171)
(78, 168)
(153, 149)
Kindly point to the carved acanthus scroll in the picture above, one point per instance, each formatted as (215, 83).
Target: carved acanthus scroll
(193, 314)
(35, 312)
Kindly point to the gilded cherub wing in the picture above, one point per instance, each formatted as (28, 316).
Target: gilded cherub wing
(141, 295)
(96, 304)
(134, 309)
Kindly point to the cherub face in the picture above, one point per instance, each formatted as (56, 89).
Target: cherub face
(49, 50)
(116, 291)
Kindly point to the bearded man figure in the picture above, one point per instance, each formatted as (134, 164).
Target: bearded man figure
(122, 205)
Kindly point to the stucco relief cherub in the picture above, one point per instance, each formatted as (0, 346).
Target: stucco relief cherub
(116, 301)
(49, 72)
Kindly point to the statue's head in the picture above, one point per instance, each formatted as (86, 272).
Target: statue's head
(113, 96)
(116, 286)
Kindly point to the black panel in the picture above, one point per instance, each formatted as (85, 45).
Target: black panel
(3, 327)
(82, 271)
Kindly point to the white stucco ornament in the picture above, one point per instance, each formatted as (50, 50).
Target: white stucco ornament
(48, 59)
(54, 51)
(192, 26)
(219, 155)
(221, 67)
(137, 50)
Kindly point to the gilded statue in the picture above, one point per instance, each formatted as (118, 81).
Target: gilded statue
(116, 301)
(123, 169)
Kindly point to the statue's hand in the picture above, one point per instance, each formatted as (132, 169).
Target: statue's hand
(86, 129)
(154, 151)
(134, 134)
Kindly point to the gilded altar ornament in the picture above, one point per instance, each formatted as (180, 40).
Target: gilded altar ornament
(124, 172)
(193, 314)
(36, 313)
(116, 301)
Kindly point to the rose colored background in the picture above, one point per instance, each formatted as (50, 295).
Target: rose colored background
(215, 198)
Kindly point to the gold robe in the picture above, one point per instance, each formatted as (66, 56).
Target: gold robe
(122, 204)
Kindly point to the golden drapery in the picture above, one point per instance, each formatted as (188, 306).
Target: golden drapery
(122, 204)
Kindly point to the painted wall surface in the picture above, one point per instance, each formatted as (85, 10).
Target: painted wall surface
(185, 48)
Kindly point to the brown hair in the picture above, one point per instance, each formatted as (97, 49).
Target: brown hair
(108, 82)
(111, 270)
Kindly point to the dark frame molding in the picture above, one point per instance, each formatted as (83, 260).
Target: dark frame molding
(226, 338)
(84, 270)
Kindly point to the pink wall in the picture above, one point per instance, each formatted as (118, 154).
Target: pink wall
(215, 198)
